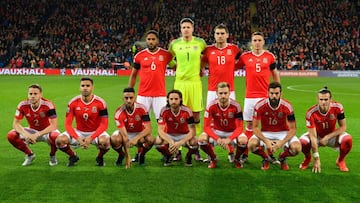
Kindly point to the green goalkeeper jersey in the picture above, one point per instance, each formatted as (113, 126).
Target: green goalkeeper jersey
(188, 57)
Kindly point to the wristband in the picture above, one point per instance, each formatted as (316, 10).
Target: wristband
(316, 155)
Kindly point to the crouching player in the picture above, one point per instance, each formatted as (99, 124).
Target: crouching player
(321, 122)
(278, 128)
(134, 129)
(41, 116)
(223, 124)
(176, 128)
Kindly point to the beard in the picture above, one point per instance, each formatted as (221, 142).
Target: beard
(274, 102)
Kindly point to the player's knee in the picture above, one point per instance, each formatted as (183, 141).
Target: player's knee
(295, 148)
(12, 135)
(252, 144)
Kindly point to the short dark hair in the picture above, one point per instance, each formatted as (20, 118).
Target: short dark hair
(274, 85)
(36, 86)
(87, 78)
(129, 89)
(173, 92)
(258, 33)
(325, 90)
(186, 20)
(152, 32)
(222, 26)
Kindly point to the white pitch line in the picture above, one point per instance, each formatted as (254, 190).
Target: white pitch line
(295, 88)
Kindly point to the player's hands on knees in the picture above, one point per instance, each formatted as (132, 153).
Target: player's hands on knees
(173, 148)
(317, 166)
(132, 143)
(323, 141)
(269, 145)
(275, 146)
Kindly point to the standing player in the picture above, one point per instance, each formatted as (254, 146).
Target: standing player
(321, 122)
(187, 50)
(221, 58)
(223, 125)
(259, 65)
(151, 65)
(176, 128)
(41, 117)
(278, 128)
(134, 128)
(91, 116)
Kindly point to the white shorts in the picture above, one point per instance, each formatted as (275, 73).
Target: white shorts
(43, 138)
(211, 95)
(248, 111)
(130, 135)
(154, 103)
(333, 142)
(76, 144)
(276, 136)
(223, 134)
(177, 137)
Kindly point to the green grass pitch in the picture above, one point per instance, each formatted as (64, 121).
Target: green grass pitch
(155, 183)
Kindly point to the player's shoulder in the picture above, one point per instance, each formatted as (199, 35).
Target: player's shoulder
(286, 103)
(140, 106)
(23, 103)
(335, 104)
(246, 53)
(75, 99)
(100, 99)
(141, 52)
(261, 103)
(313, 109)
(268, 53)
(235, 103)
(185, 109)
(47, 103)
(199, 39)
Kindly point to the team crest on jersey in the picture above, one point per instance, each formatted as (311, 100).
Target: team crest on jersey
(332, 117)
(161, 58)
(206, 114)
(195, 48)
(137, 118)
(280, 114)
(229, 52)
(94, 109)
(182, 120)
(231, 115)
(265, 60)
(42, 115)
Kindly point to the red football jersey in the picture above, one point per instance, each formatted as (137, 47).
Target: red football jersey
(152, 67)
(324, 123)
(134, 121)
(37, 119)
(87, 115)
(274, 120)
(221, 62)
(258, 73)
(176, 124)
(223, 119)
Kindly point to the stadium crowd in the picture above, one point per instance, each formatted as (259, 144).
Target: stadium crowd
(304, 35)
